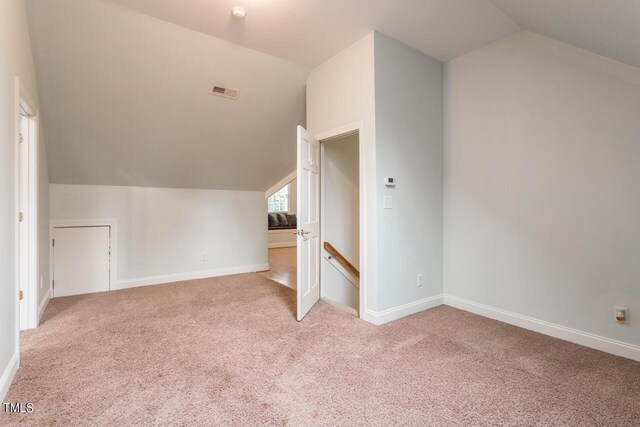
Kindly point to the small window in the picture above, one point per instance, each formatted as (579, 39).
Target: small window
(279, 202)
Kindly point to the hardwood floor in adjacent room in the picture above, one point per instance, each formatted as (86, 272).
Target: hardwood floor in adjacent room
(283, 264)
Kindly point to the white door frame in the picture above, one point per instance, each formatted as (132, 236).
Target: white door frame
(339, 132)
(24, 105)
(113, 244)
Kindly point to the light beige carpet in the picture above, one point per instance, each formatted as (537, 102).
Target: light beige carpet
(228, 351)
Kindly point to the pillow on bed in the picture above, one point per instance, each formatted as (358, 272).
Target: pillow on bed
(273, 220)
(292, 220)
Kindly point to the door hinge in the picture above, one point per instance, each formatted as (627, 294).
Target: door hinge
(53, 243)
(53, 284)
(21, 295)
(20, 217)
(20, 138)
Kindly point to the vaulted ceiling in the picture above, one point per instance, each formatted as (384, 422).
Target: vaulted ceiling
(124, 100)
(310, 31)
(608, 27)
(124, 83)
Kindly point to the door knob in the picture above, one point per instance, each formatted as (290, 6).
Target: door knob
(303, 234)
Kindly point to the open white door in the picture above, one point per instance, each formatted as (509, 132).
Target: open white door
(308, 221)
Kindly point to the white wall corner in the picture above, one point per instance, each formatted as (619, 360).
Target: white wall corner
(8, 375)
(180, 277)
(575, 336)
(385, 316)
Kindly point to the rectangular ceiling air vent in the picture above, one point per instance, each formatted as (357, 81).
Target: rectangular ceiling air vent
(224, 92)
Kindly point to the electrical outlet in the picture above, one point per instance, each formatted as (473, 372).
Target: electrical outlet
(204, 256)
(621, 314)
(420, 280)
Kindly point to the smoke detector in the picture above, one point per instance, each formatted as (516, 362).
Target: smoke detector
(224, 92)
(238, 12)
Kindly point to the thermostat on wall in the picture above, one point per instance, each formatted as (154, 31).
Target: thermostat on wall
(389, 181)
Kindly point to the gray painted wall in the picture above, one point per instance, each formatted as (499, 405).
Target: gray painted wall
(340, 203)
(409, 147)
(542, 207)
(164, 231)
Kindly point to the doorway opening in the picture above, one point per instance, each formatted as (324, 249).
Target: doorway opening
(281, 232)
(331, 244)
(340, 221)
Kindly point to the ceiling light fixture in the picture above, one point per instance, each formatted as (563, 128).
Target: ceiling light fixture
(238, 12)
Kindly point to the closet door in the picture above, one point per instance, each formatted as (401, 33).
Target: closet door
(81, 260)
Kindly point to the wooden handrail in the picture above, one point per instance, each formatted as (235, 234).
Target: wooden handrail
(337, 255)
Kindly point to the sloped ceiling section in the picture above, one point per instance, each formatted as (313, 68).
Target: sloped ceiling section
(124, 101)
(608, 27)
(311, 31)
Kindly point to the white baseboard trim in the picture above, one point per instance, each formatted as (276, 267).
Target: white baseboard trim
(8, 374)
(43, 305)
(283, 245)
(586, 339)
(381, 317)
(179, 277)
